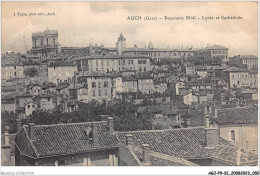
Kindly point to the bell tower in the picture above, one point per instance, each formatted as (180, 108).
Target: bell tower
(121, 44)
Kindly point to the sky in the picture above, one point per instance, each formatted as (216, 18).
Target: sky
(81, 23)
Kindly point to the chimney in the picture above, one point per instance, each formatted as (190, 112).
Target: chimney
(18, 125)
(6, 150)
(216, 112)
(210, 109)
(103, 117)
(110, 123)
(6, 136)
(211, 135)
(146, 154)
(31, 131)
(206, 110)
(207, 121)
(58, 82)
(95, 132)
(188, 123)
(129, 139)
(237, 103)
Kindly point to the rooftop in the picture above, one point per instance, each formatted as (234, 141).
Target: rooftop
(64, 139)
(240, 115)
(61, 64)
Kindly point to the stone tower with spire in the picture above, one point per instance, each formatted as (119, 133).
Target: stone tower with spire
(121, 44)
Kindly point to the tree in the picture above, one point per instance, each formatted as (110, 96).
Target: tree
(30, 72)
(8, 121)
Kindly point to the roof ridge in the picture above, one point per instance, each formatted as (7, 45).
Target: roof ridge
(198, 127)
(60, 124)
(30, 141)
(240, 107)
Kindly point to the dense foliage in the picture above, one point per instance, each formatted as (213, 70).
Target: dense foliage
(124, 114)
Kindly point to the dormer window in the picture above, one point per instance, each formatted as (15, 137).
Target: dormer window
(89, 133)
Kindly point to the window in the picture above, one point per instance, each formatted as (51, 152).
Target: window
(54, 41)
(130, 62)
(233, 137)
(105, 84)
(60, 163)
(123, 62)
(99, 84)
(33, 106)
(49, 99)
(99, 92)
(144, 68)
(93, 93)
(93, 85)
(28, 106)
(14, 73)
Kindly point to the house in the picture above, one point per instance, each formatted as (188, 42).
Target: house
(145, 83)
(189, 68)
(201, 71)
(131, 155)
(201, 146)
(45, 101)
(129, 84)
(21, 100)
(179, 87)
(109, 63)
(239, 126)
(8, 103)
(12, 71)
(250, 95)
(48, 87)
(245, 61)
(34, 89)
(240, 78)
(29, 108)
(99, 86)
(165, 118)
(90, 144)
(61, 71)
(219, 54)
(160, 86)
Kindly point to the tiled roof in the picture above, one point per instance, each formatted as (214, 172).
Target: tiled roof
(45, 95)
(187, 143)
(64, 139)
(234, 69)
(24, 94)
(215, 47)
(229, 155)
(240, 115)
(61, 64)
(159, 159)
(108, 56)
(95, 74)
(143, 76)
(128, 78)
(249, 91)
(248, 56)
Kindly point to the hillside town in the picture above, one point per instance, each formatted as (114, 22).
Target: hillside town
(128, 105)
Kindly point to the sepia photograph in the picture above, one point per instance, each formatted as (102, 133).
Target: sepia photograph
(94, 83)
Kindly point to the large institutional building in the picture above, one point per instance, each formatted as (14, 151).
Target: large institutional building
(46, 43)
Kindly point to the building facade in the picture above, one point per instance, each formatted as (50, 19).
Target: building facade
(45, 43)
